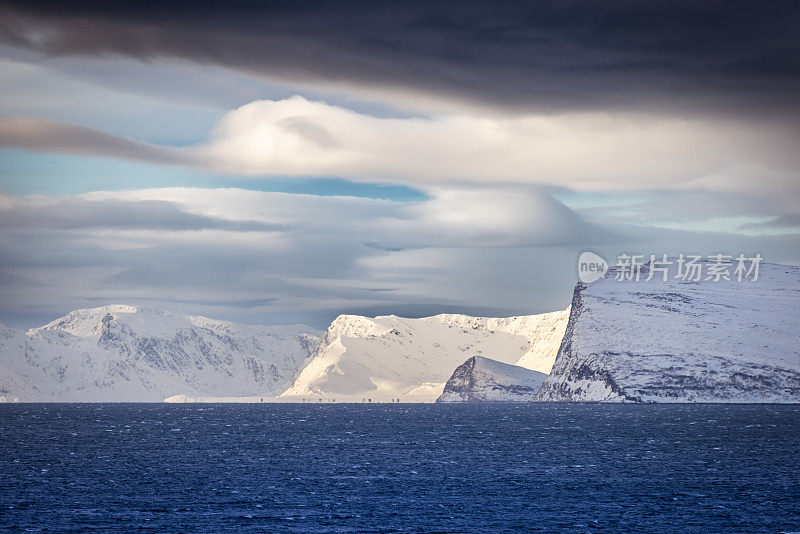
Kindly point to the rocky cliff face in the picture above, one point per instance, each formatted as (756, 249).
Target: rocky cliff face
(676, 341)
(483, 380)
(125, 353)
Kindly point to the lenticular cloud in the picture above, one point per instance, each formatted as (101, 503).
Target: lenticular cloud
(585, 151)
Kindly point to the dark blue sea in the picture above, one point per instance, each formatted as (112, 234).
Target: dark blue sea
(399, 468)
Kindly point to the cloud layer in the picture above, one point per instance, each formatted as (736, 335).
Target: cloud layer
(554, 55)
(219, 251)
(275, 257)
(581, 151)
(48, 136)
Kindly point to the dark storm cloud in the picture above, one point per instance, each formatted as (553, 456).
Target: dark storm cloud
(545, 55)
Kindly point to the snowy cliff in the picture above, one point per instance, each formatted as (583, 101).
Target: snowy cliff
(126, 353)
(481, 379)
(676, 341)
(390, 357)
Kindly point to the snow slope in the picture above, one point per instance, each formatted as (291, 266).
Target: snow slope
(390, 357)
(127, 353)
(480, 379)
(675, 341)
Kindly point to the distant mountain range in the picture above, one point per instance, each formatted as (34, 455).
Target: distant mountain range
(128, 353)
(653, 341)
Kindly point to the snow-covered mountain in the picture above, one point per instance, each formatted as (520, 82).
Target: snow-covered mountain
(127, 353)
(675, 341)
(390, 357)
(650, 341)
(481, 379)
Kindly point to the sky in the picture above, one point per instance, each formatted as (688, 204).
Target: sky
(284, 162)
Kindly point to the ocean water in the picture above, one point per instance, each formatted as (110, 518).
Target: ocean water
(400, 468)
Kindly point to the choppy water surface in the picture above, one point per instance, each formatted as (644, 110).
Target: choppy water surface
(384, 468)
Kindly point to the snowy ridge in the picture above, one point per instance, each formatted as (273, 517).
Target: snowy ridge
(678, 341)
(482, 379)
(127, 353)
(389, 357)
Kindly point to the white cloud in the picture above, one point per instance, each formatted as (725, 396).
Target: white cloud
(588, 151)
(462, 217)
(581, 151)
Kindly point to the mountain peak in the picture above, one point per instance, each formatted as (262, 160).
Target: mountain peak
(90, 322)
